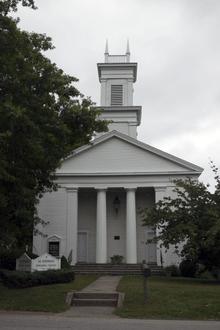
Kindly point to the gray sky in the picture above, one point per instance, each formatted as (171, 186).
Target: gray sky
(176, 44)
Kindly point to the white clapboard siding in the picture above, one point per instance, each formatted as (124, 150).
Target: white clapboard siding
(55, 212)
(116, 155)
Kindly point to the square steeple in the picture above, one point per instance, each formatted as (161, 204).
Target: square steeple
(117, 76)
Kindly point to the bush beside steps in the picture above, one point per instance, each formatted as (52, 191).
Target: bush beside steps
(18, 279)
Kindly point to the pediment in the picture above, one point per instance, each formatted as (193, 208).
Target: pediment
(116, 153)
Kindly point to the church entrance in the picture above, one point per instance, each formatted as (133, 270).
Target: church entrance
(82, 247)
(151, 252)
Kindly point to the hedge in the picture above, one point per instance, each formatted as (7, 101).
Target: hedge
(18, 279)
(8, 258)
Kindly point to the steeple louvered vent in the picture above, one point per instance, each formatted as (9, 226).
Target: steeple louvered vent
(116, 95)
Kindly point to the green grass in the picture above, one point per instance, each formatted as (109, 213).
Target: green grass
(172, 298)
(47, 298)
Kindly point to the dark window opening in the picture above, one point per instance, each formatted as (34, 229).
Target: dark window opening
(54, 249)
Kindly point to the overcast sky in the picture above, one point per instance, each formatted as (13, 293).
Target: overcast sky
(176, 44)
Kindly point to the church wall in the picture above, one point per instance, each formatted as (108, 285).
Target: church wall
(121, 127)
(53, 210)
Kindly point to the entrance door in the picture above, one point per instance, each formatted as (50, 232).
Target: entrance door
(82, 247)
(151, 251)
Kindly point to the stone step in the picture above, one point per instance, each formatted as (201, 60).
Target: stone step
(122, 269)
(94, 299)
(95, 295)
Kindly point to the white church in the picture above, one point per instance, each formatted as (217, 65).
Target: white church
(93, 215)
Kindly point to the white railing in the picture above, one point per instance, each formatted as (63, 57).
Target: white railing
(116, 58)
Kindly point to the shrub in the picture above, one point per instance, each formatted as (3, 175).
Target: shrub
(188, 268)
(8, 258)
(175, 272)
(204, 274)
(64, 263)
(18, 279)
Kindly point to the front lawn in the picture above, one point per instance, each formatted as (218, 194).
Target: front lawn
(47, 298)
(172, 298)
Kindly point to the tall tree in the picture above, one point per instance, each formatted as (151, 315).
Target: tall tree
(192, 218)
(43, 118)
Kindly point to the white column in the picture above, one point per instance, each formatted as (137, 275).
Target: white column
(101, 227)
(159, 194)
(103, 92)
(131, 236)
(72, 223)
(130, 92)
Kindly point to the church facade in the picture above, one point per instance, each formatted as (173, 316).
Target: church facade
(93, 215)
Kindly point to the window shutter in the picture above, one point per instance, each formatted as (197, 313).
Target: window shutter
(116, 94)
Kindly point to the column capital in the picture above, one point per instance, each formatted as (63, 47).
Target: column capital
(160, 189)
(101, 189)
(130, 189)
(71, 189)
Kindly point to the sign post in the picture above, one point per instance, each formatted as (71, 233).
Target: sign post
(146, 273)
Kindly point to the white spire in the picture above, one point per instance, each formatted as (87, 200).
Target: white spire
(128, 48)
(128, 52)
(106, 47)
(106, 51)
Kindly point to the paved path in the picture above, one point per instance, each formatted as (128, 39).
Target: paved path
(103, 284)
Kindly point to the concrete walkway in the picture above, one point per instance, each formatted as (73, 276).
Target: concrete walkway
(104, 284)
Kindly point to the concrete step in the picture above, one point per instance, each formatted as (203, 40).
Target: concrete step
(115, 270)
(94, 299)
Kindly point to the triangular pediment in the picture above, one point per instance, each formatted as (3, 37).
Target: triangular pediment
(117, 153)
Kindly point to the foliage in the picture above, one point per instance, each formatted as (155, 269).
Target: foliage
(188, 268)
(116, 259)
(64, 263)
(174, 269)
(8, 258)
(19, 279)
(204, 274)
(43, 118)
(192, 218)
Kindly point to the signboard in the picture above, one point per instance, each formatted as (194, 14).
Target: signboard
(45, 262)
(23, 263)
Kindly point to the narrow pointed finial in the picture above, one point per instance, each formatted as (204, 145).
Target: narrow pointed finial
(106, 47)
(106, 51)
(128, 52)
(128, 48)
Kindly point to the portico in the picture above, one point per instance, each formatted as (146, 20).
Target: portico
(101, 222)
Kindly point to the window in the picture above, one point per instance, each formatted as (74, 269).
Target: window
(116, 95)
(54, 249)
